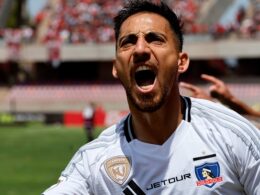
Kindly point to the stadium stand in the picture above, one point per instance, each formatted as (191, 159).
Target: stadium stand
(81, 31)
(82, 21)
(87, 21)
(78, 22)
(112, 97)
(67, 26)
(61, 98)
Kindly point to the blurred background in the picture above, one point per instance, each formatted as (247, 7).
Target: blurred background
(56, 58)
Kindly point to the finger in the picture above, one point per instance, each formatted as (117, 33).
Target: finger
(213, 88)
(188, 86)
(211, 79)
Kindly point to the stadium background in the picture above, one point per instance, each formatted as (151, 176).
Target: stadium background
(57, 60)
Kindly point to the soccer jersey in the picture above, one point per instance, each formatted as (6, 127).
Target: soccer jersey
(213, 151)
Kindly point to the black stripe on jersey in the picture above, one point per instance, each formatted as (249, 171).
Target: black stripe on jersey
(136, 189)
(131, 129)
(186, 108)
(183, 107)
(204, 157)
(126, 129)
(128, 192)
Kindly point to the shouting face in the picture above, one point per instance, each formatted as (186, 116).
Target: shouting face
(148, 61)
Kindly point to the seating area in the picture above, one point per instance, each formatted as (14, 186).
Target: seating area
(72, 22)
(82, 21)
(74, 98)
(89, 21)
(61, 98)
(188, 11)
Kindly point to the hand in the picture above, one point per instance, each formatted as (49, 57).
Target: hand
(197, 92)
(218, 89)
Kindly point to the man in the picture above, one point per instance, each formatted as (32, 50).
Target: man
(88, 117)
(162, 146)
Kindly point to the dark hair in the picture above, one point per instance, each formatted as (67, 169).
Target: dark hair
(136, 6)
(209, 173)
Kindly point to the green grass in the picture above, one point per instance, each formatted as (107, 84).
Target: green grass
(33, 156)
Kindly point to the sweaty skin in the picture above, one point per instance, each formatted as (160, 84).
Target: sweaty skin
(147, 41)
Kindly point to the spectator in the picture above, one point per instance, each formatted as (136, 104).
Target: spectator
(88, 117)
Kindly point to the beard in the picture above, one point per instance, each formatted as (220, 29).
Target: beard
(147, 102)
(151, 102)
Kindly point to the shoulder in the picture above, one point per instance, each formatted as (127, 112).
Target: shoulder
(107, 140)
(224, 125)
(216, 112)
(104, 144)
(219, 114)
(93, 153)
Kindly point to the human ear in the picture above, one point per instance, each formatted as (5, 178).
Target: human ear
(183, 62)
(114, 70)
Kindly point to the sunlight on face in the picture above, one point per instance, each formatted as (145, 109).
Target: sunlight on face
(147, 60)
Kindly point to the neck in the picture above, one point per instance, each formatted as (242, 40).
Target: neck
(158, 126)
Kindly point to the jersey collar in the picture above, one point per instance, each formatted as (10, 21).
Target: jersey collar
(128, 128)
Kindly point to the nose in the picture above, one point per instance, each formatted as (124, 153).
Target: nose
(141, 51)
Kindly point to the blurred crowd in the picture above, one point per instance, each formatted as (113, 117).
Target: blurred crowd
(82, 21)
(91, 21)
(245, 25)
(188, 10)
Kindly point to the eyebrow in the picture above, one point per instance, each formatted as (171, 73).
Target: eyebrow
(136, 35)
(126, 36)
(156, 34)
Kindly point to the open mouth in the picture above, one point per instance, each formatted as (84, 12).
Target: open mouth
(144, 76)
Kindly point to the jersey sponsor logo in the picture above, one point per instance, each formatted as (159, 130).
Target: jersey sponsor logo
(208, 174)
(169, 181)
(118, 168)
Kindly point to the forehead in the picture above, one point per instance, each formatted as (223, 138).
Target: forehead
(144, 22)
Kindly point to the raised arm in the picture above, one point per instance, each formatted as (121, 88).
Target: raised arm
(197, 92)
(220, 90)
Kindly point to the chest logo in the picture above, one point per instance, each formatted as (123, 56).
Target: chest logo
(118, 168)
(208, 174)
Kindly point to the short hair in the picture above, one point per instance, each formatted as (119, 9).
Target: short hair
(161, 8)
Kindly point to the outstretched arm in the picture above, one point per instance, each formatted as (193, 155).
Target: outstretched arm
(197, 92)
(219, 90)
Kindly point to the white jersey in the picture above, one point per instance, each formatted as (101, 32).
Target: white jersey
(213, 151)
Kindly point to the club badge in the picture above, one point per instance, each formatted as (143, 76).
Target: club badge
(118, 168)
(208, 174)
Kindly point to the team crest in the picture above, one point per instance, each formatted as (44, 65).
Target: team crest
(118, 168)
(208, 174)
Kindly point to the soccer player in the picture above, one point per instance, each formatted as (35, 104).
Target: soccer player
(166, 141)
